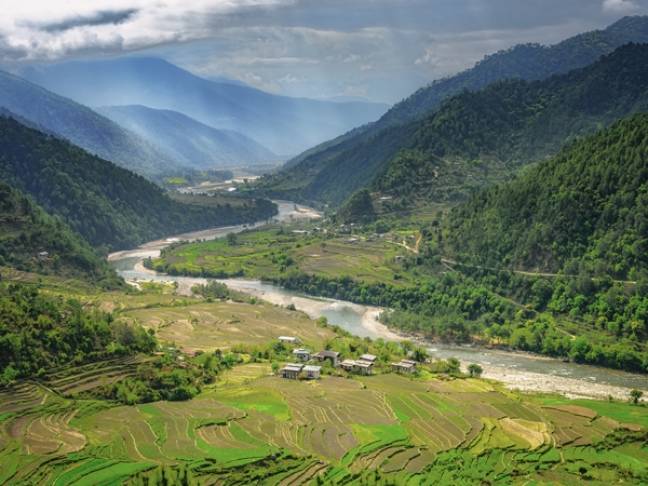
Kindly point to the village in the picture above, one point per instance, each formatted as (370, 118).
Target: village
(302, 368)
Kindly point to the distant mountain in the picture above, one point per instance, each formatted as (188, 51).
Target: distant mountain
(530, 62)
(31, 240)
(585, 209)
(188, 141)
(476, 138)
(373, 144)
(104, 203)
(80, 125)
(284, 125)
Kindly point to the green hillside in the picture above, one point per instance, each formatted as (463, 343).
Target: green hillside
(473, 138)
(106, 204)
(550, 111)
(584, 210)
(82, 126)
(31, 240)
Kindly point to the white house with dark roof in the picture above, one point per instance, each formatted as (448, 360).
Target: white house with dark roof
(301, 354)
(291, 371)
(312, 372)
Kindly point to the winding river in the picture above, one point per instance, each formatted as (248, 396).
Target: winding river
(516, 370)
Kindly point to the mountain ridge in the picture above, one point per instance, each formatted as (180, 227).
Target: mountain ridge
(283, 124)
(80, 125)
(383, 135)
(189, 141)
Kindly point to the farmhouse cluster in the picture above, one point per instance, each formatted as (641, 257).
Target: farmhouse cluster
(364, 365)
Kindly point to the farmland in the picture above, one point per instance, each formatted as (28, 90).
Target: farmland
(271, 253)
(252, 426)
(337, 430)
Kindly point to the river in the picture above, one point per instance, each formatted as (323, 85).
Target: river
(520, 371)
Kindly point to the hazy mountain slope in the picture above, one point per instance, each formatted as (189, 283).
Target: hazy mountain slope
(530, 62)
(284, 125)
(588, 204)
(477, 138)
(32, 240)
(81, 126)
(106, 204)
(188, 141)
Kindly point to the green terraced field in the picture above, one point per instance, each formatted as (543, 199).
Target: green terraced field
(333, 431)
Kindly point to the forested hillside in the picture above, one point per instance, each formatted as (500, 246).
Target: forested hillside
(524, 61)
(482, 137)
(188, 141)
(82, 126)
(39, 332)
(32, 240)
(584, 211)
(374, 144)
(106, 204)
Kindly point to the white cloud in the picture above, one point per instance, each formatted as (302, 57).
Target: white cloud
(55, 28)
(620, 6)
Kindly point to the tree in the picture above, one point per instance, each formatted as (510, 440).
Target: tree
(635, 396)
(475, 370)
(231, 239)
(420, 354)
(275, 367)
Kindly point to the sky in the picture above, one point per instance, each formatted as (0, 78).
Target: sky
(381, 50)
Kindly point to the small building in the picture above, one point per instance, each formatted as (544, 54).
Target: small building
(289, 339)
(291, 371)
(301, 354)
(404, 366)
(368, 358)
(312, 372)
(363, 367)
(332, 356)
(357, 366)
(347, 364)
(43, 255)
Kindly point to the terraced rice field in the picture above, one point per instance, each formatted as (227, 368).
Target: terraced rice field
(208, 326)
(253, 427)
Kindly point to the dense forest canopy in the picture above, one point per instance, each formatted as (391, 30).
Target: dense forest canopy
(585, 210)
(479, 138)
(367, 149)
(106, 204)
(32, 240)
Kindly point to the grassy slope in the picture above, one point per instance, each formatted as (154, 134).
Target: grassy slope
(275, 253)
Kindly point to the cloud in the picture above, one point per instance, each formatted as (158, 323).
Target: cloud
(107, 17)
(314, 48)
(57, 28)
(620, 6)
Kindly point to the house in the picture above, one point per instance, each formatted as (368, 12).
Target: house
(363, 367)
(368, 358)
(43, 255)
(357, 366)
(347, 364)
(312, 372)
(291, 371)
(332, 356)
(404, 366)
(288, 339)
(301, 354)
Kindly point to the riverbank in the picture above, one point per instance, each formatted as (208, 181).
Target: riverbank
(519, 371)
